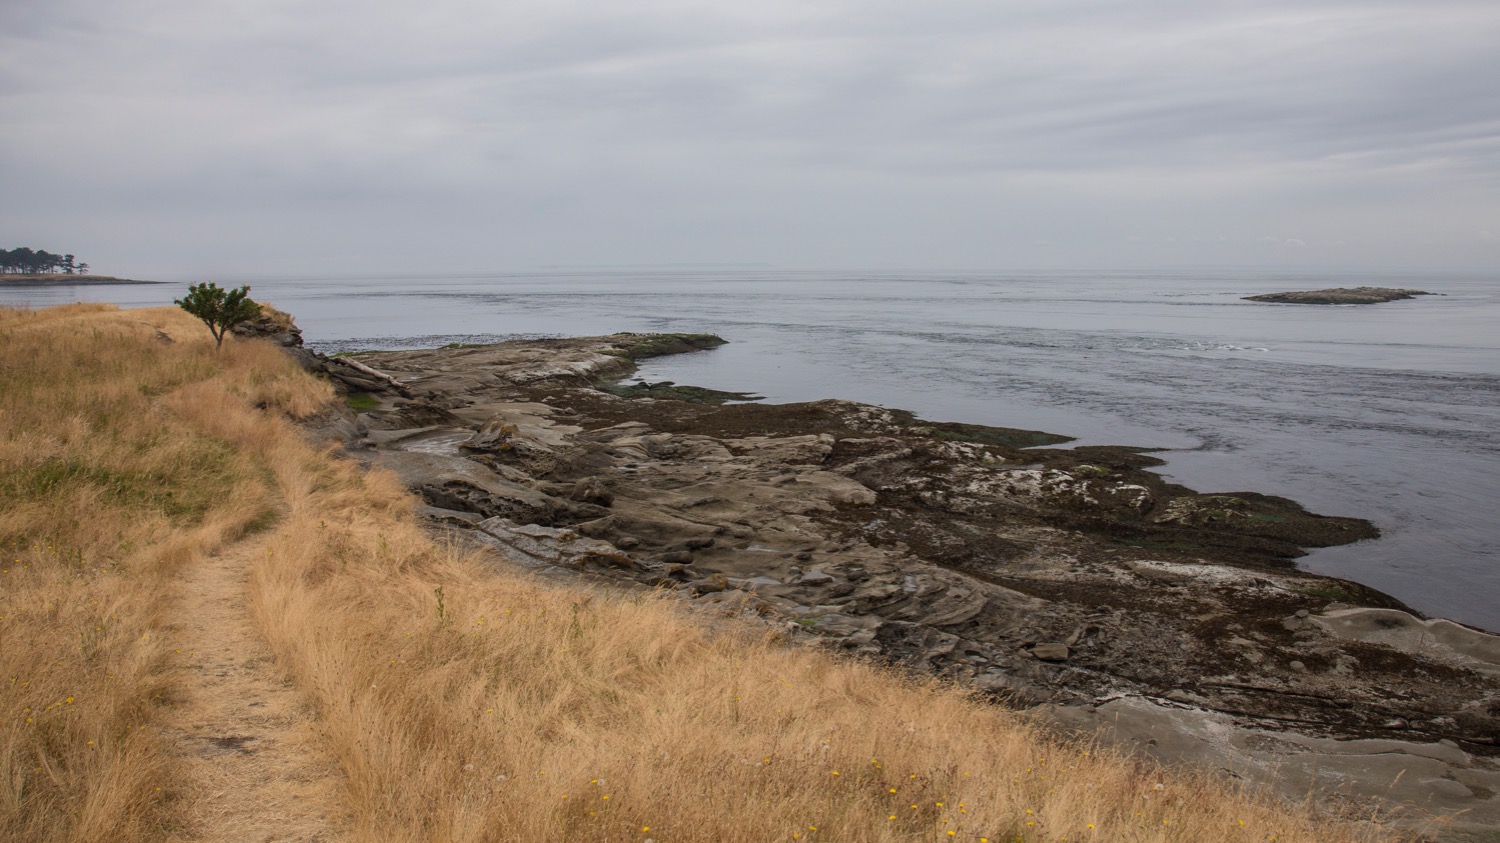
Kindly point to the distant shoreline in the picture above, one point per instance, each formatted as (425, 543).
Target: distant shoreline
(56, 280)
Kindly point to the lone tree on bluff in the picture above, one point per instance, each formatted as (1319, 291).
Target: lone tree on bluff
(219, 309)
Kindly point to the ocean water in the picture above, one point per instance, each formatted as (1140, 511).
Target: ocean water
(1388, 412)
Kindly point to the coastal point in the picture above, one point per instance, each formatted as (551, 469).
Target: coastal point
(1072, 582)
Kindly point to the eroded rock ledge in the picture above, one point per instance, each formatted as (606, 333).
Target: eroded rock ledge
(1074, 580)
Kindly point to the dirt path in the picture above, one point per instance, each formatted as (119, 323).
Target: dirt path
(244, 733)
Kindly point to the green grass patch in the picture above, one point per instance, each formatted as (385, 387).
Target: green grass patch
(361, 402)
(198, 479)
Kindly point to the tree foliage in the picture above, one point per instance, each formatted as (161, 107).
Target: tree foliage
(219, 309)
(24, 260)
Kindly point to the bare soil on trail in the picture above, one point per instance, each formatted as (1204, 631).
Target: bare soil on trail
(244, 733)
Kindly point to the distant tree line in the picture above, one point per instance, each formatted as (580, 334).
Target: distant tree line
(23, 260)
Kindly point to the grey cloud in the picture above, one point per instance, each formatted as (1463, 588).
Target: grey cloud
(751, 127)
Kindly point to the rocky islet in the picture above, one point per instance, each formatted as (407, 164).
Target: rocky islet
(1340, 295)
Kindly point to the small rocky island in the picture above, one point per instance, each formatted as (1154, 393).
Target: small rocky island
(1075, 582)
(1340, 295)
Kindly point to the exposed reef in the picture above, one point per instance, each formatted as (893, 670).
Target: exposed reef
(1074, 581)
(1340, 295)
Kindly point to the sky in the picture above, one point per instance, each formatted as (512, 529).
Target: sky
(177, 139)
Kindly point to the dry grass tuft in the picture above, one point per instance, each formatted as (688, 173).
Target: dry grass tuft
(463, 702)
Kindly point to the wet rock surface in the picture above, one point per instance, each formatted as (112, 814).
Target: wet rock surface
(1075, 581)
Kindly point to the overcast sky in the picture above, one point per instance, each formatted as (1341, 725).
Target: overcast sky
(183, 138)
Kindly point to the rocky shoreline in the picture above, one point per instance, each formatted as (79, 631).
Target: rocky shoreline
(1075, 582)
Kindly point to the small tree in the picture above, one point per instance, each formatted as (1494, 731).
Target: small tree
(219, 309)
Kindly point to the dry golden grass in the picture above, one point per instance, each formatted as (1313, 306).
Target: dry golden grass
(462, 702)
(104, 493)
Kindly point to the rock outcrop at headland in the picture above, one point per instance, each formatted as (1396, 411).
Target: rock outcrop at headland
(279, 327)
(1340, 295)
(1074, 580)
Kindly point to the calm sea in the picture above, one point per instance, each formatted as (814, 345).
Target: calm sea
(1388, 412)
